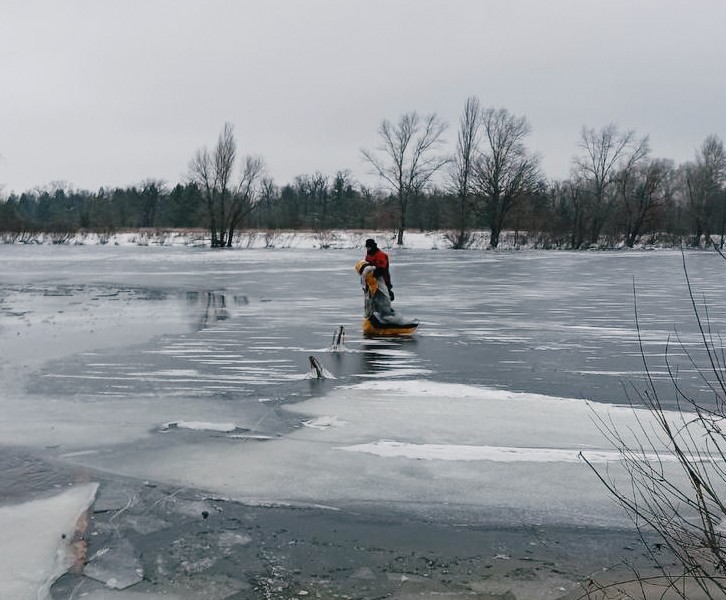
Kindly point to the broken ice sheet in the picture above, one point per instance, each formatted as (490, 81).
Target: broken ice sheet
(117, 567)
(34, 547)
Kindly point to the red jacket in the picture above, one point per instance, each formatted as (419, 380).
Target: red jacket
(380, 259)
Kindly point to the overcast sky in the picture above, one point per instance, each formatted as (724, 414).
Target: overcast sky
(113, 92)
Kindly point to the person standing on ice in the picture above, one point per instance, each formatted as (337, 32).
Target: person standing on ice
(379, 259)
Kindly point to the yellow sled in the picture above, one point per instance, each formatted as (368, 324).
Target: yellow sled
(374, 328)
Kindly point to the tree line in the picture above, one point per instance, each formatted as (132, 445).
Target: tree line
(617, 193)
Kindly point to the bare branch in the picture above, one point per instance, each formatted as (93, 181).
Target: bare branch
(227, 203)
(407, 157)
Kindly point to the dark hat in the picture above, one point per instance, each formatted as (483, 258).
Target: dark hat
(370, 243)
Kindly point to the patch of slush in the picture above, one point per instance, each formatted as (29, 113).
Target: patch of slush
(35, 545)
(624, 374)
(78, 453)
(389, 448)
(393, 372)
(200, 426)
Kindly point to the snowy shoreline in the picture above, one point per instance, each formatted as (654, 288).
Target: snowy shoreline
(324, 240)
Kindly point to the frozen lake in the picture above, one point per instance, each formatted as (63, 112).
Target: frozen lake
(189, 367)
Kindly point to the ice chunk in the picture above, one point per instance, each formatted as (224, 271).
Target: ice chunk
(323, 422)
(201, 426)
(35, 545)
(118, 567)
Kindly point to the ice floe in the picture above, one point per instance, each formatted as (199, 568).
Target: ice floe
(36, 545)
(200, 426)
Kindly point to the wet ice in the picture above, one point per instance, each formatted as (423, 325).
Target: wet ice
(177, 359)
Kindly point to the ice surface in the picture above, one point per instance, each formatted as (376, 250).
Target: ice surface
(35, 547)
(478, 419)
(388, 448)
(472, 450)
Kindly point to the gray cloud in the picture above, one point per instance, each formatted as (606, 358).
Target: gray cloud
(114, 92)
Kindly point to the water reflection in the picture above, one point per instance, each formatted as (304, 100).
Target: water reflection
(383, 358)
(214, 306)
(25, 476)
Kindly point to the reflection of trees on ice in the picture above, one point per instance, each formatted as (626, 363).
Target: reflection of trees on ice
(214, 306)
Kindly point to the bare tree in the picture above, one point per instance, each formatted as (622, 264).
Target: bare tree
(407, 158)
(268, 191)
(463, 165)
(506, 172)
(227, 204)
(574, 198)
(314, 190)
(704, 181)
(565, 217)
(211, 171)
(643, 190)
(604, 153)
(247, 194)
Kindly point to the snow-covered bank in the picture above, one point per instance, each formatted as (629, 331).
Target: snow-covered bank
(37, 542)
(331, 239)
